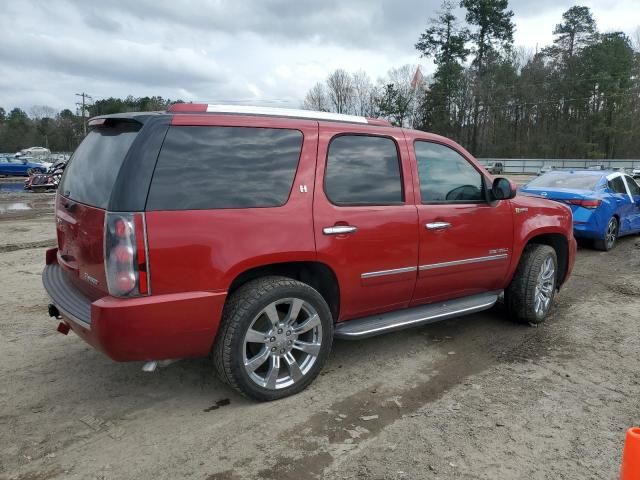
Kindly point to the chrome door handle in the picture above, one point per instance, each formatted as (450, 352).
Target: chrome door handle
(437, 225)
(339, 230)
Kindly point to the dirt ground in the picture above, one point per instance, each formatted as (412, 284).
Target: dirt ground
(473, 398)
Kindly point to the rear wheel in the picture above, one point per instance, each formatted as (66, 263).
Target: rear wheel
(530, 294)
(275, 335)
(610, 236)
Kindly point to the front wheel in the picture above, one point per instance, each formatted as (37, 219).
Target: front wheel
(275, 335)
(529, 296)
(610, 236)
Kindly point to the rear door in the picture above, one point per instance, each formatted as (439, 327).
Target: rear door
(82, 199)
(624, 206)
(634, 191)
(365, 220)
(465, 242)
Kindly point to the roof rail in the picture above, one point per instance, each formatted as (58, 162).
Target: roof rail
(273, 112)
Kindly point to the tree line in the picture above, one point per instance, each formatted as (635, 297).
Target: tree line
(576, 98)
(63, 131)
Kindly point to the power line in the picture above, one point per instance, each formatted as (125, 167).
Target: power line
(84, 96)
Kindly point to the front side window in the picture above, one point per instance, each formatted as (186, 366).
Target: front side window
(363, 170)
(224, 167)
(446, 176)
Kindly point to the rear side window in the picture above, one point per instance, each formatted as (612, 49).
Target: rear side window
(92, 171)
(224, 167)
(363, 170)
(617, 185)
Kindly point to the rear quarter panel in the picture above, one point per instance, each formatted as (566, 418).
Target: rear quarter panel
(205, 250)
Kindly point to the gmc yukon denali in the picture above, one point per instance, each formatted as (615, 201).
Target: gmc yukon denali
(256, 236)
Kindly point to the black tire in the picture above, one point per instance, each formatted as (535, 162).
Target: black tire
(241, 311)
(520, 295)
(610, 236)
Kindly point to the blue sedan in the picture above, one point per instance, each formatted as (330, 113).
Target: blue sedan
(605, 204)
(16, 166)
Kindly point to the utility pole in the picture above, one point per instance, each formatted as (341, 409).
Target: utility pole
(85, 96)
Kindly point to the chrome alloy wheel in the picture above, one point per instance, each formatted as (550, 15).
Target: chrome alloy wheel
(611, 233)
(282, 343)
(544, 286)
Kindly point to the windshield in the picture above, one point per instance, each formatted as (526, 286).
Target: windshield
(566, 180)
(92, 171)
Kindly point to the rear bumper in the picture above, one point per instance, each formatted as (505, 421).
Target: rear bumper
(156, 327)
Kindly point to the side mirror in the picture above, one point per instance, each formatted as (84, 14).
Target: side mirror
(502, 189)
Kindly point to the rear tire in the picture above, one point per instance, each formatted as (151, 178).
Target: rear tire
(610, 236)
(275, 336)
(529, 296)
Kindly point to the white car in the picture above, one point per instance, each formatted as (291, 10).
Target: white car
(38, 151)
(635, 172)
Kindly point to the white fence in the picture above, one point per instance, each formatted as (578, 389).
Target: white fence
(532, 165)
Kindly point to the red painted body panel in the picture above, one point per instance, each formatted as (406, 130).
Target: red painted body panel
(386, 238)
(477, 230)
(195, 255)
(204, 250)
(541, 217)
(80, 230)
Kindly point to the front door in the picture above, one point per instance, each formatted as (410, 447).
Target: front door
(365, 219)
(465, 241)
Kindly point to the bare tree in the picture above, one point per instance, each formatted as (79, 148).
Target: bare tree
(316, 99)
(362, 89)
(38, 112)
(408, 87)
(340, 91)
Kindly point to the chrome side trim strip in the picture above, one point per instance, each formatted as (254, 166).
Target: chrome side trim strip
(394, 271)
(488, 258)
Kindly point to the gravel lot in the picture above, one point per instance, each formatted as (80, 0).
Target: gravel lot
(475, 397)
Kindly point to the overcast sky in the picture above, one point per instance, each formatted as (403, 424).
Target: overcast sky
(265, 52)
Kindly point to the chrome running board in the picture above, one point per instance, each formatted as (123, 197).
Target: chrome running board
(411, 317)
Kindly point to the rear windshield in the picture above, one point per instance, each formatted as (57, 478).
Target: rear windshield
(566, 180)
(92, 171)
(224, 167)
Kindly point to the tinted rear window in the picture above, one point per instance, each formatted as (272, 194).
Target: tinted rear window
(92, 171)
(224, 167)
(566, 180)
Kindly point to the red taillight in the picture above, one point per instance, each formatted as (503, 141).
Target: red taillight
(121, 228)
(586, 203)
(125, 254)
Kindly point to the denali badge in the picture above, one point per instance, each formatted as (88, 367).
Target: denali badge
(521, 209)
(89, 278)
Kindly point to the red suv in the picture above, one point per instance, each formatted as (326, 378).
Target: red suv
(257, 235)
